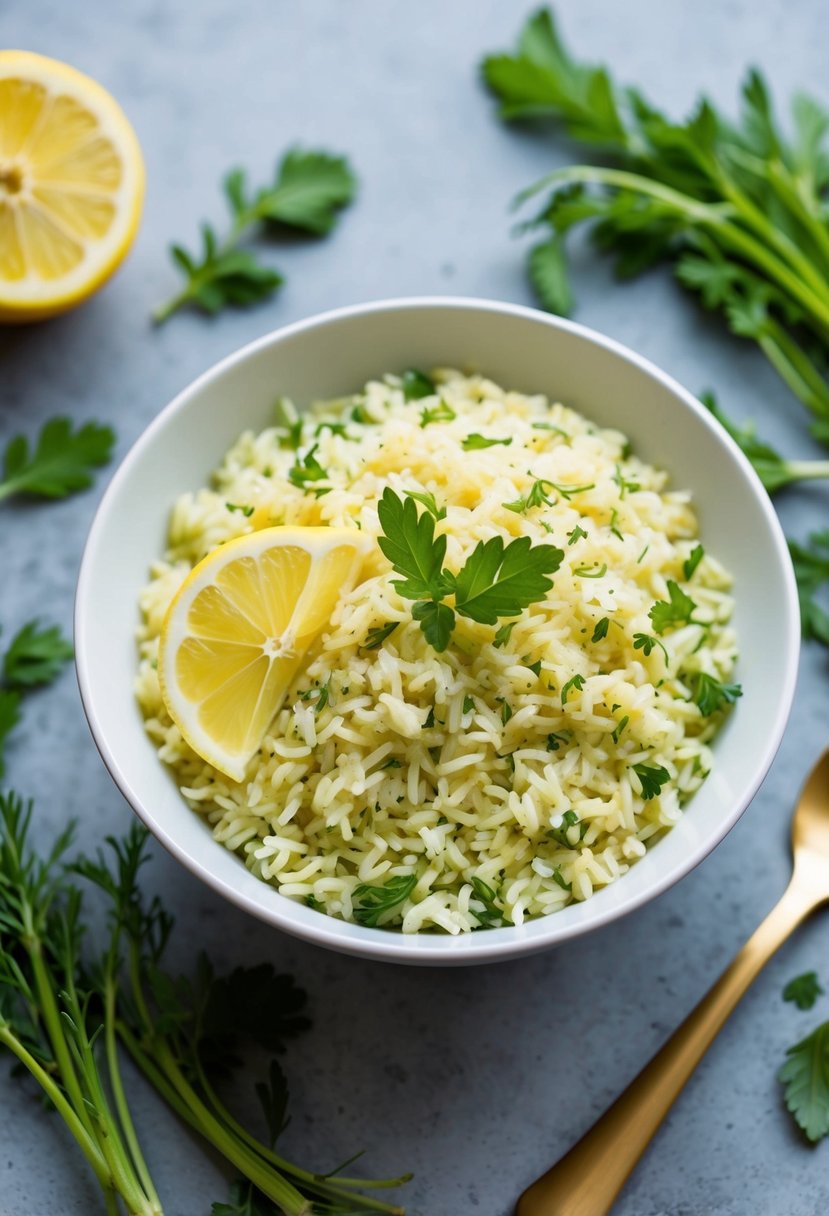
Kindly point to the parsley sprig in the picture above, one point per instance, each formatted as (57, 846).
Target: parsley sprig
(774, 470)
(811, 568)
(308, 190)
(495, 581)
(34, 657)
(736, 208)
(60, 462)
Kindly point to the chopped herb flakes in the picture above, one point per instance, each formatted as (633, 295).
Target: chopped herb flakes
(376, 637)
(372, 902)
(442, 412)
(600, 629)
(576, 682)
(416, 385)
(473, 442)
(651, 778)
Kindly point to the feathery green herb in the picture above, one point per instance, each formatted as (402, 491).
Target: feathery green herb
(308, 190)
(442, 412)
(64, 1011)
(803, 990)
(496, 580)
(61, 461)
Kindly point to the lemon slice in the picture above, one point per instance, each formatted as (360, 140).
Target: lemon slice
(238, 628)
(71, 186)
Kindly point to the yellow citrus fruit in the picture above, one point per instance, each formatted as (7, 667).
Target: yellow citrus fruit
(71, 186)
(238, 628)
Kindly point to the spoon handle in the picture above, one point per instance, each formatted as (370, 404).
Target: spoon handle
(588, 1178)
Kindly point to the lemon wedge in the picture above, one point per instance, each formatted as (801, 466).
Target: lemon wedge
(236, 632)
(71, 186)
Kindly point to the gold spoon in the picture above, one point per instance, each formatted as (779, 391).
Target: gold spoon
(586, 1180)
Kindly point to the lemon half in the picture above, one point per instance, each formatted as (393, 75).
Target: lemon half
(71, 186)
(238, 628)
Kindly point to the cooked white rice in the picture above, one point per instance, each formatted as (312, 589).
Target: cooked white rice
(458, 769)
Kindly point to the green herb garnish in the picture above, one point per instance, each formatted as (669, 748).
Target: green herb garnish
(803, 990)
(372, 902)
(600, 629)
(247, 511)
(376, 637)
(308, 190)
(416, 385)
(473, 442)
(496, 580)
(561, 834)
(61, 461)
(692, 561)
(651, 778)
(678, 610)
(575, 535)
(491, 914)
(427, 500)
(805, 1080)
(575, 682)
(34, 657)
(774, 470)
(645, 642)
(308, 470)
(711, 695)
(811, 568)
(442, 412)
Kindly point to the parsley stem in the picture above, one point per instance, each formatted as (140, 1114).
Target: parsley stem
(707, 215)
(795, 367)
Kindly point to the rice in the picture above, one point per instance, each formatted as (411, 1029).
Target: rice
(492, 782)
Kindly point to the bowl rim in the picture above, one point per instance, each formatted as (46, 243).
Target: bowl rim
(378, 944)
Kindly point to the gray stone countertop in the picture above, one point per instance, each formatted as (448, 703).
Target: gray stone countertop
(475, 1079)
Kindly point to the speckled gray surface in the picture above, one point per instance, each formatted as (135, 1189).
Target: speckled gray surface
(475, 1079)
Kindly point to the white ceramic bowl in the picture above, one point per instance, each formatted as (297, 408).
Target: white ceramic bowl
(334, 354)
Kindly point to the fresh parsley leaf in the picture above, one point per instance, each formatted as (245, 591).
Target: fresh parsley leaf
(491, 914)
(468, 705)
(535, 497)
(308, 190)
(308, 470)
(506, 711)
(575, 535)
(474, 441)
(535, 667)
(561, 834)
(692, 561)
(61, 462)
(548, 273)
(427, 500)
(442, 412)
(247, 511)
(417, 385)
(554, 741)
(376, 637)
(805, 1080)
(646, 643)
(410, 545)
(576, 682)
(651, 778)
(436, 620)
(678, 610)
(35, 656)
(244, 1200)
(502, 635)
(803, 990)
(498, 580)
(336, 428)
(711, 695)
(616, 733)
(600, 629)
(373, 902)
(559, 878)
(811, 568)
